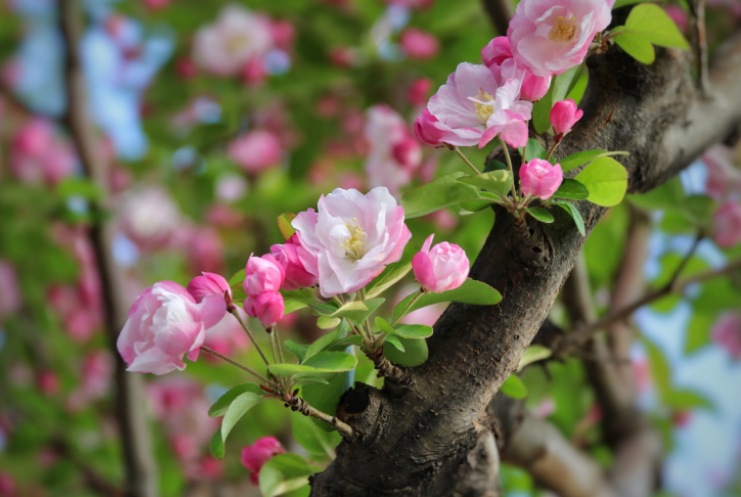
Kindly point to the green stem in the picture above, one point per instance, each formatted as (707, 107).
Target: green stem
(553, 149)
(509, 165)
(235, 313)
(241, 366)
(465, 159)
(409, 306)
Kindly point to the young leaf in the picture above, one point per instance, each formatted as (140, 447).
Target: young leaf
(564, 83)
(413, 331)
(240, 405)
(437, 194)
(637, 45)
(396, 342)
(217, 445)
(660, 369)
(357, 312)
(220, 406)
(533, 354)
(326, 341)
(293, 306)
(683, 400)
(297, 349)
(324, 309)
(384, 326)
(237, 279)
(655, 22)
(514, 387)
(327, 322)
(495, 165)
(542, 112)
(470, 292)
(570, 188)
(388, 278)
(574, 213)
(534, 150)
(297, 299)
(606, 179)
(540, 214)
(415, 352)
(499, 182)
(284, 225)
(319, 443)
(284, 473)
(321, 363)
(575, 160)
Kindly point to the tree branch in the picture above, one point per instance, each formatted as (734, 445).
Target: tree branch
(141, 472)
(500, 12)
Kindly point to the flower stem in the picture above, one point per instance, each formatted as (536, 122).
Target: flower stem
(465, 159)
(247, 330)
(553, 149)
(241, 366)
(409, 306)
(509, 165)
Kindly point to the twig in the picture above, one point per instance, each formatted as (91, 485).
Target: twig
(139, 461)
(300, 405)
(701, 44)
(505, 149)
(247, 330)
(463, 156)
(241, 366)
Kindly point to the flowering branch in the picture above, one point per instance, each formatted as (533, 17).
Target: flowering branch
(300, 405)
(247, 330)
(241, 366)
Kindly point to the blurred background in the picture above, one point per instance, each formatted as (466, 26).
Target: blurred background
(208, 120)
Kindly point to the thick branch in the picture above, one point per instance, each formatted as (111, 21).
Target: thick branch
(141, 472)
(500, 12)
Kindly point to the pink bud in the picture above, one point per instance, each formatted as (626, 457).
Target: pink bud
(48, 382)
(428, 128)
(157, 4)
(10, 294)
(419, 92)
(207, 285)
(256, 455)
(727, 225)
(256, 151)
(418, 44)
(534, 87)
(268, 307)
(7, 485)
(538, 177)
(253, 72)
(186, 68)
(678, 15)
(564, 115)
(342, 57)
(263, 274)
(289, 256)
(283, 33)
(444, 267)
(407, 153)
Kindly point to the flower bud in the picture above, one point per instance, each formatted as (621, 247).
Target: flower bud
(263, 274)
(289, 255)
(427, 128)
(213, 290)
(418, 44)
(268, 307)
(444, 267)
(256, 455)
(538, 177)
(564, 115)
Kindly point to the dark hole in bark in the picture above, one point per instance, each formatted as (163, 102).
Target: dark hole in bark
(537, 250)
(355, 401)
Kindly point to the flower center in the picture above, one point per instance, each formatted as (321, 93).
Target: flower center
(484, 110)
(564, 29)
(235, 44)
(355, 245)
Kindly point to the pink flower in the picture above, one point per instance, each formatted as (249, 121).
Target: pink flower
(253, 72)
(48, 382)
(418, 44)
(407, 153)
(283, 33)
(419, 91)
(352, 238)
(214, 291)
(38, 154)
(157, 4)
(263, 274)
(564, 115)
(7, 485)
(394, 154)
(723, 177)
(164, 324)
(540, 178)
(551, 36)
(678, 15)
(288, 256)
(10, 293)
(444, 267)
(256, 455)
(726, 333)
(256, 151)
(472, 108)
(205, 251)
(224, 47)
(498, 58)
(268, 307)
(97, 374)
(727, 225)
(428, 129)
(149, 217)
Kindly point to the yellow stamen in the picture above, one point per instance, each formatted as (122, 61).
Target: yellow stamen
(355, 245)
(482, 110)
(563, 29)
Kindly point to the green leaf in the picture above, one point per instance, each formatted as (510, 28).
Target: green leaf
(470, 292)
(395, 341)
(220, 406)
(384, 326)
(217, 445)
(659, 366)
(319, 443)
(514, 387)
(237, 279)
(684, 400)
(657, 25)
(499, 182)
(327, 322)
(388, 278)
(495, 165)
(606, 179)
(533, 354)
(415, 352)
(324, 309)
(413, 331)
(308, 379)
(240, 405)
(623, 3)
(284, 473)
(326, 397)
(637, 45)
(542, 112)
(322, 362)
(326, 341)
(564, 83)
(79, 187)
(437, 194)
(534, 150)
(698, 332)
(284, 224)
(297, 299)
(358, 311)
(540, 214)
(668, 196)
(574, 213)
(297, 349)
(575, 160)
(571, 188)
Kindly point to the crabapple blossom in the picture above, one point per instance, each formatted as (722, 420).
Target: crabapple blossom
(727, 224)
(256, 151)
(10, 293)
(288, 256)
(472, 108)
(418, 44)
(149, 217)
(204, 250)
(564, 115)
(263, 274)
(351, 238)
(207, 285)
(498, 58)
(238, 35)
(419, 91)
(256, 455)
(551, 36)
(442, 267)
(723, 177)
(164, 324)
(540, 178)
(268, 307)
(726, 333)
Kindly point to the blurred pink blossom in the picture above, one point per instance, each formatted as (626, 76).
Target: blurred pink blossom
(418, 44)
(7, 485)
(678, 15)
(283, 33)
(419, 91)
(253, 72)
(256, 151)
(723, 177)
(256, 455)
(733, 5)
(149, 217)
(227, 336)
(10, 293)
(48, 382)
(727, 224)
(157, 4)
(726, 333)
(39, 155)
(205, 251)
